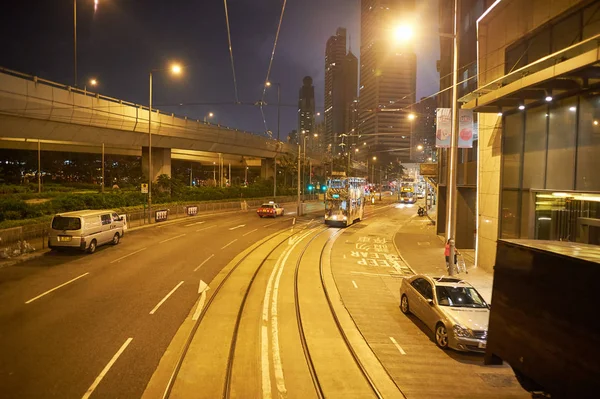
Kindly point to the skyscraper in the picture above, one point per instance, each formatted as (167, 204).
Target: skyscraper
(387, 78)
(341, 83)
(306, 106)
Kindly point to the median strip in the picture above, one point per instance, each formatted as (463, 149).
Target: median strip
(98, 379)
(128, 255)
(165, 298)
(172, 238)
(55, 288)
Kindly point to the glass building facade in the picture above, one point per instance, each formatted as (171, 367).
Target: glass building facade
(550, 171)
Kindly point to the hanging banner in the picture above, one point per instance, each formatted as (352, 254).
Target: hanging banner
(466, 131)
(465, 128)
(444, 127)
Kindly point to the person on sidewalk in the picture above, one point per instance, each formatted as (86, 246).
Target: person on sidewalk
(447, 255)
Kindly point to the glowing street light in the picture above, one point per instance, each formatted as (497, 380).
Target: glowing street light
(411, 117)
(176, 69)
(93, 82)
(403, 33)
(420, 147)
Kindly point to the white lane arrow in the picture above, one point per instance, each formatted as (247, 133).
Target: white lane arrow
(202, 288)
(237, 227)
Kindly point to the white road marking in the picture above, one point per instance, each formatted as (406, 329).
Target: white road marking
(128, 255)
(98, 379)
(354, 283)
(229, 244)
(55, 288)
(377, 274)
(205, 260)
(237, 227)
(245, 234)
(165, 298)
(172, 238)
(270, 224)
(397, 346)
(193, 224)
(202, 288)
(264, 360)
(206, 228)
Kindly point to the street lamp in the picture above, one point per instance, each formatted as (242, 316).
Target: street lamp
(268, 84)
(403, 33)
(209, 115)
(411, 117)
(175, 69)
(420, 147)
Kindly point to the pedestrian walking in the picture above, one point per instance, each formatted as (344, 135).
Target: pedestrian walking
(447, 255)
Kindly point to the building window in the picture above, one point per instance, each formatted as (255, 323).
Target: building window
(566, 32)
(512, 150)
(510, 214)
(534, 162)
(588, 146)
(561, 145)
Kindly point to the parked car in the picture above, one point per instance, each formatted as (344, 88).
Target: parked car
(450, 307)
(85, 230)
(270, 209)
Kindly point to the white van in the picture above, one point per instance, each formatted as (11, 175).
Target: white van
(85, 230)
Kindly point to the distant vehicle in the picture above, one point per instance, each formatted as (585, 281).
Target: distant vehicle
(407, 194)
(270, 209)
(85, 230)
(450, 307)
(344, 200)
(420, 194)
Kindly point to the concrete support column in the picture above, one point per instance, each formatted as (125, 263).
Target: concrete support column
(161, 162)
(266, 168)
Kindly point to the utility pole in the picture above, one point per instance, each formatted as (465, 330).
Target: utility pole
(150, 153)
(298, 211)
(39, 171)
(452, 188)
(75, 41)
(103, 184)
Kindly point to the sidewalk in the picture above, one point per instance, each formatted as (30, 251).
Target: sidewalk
(423, 251)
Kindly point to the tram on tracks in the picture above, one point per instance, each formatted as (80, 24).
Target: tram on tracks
(344, 200)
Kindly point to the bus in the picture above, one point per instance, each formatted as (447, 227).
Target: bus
(408, 194)
(344, 200)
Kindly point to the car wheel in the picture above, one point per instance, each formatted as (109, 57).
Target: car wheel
(404, 305)
(441, 336)
(116, 239)
(92, 247)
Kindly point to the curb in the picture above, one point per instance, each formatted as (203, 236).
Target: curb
(19, 259)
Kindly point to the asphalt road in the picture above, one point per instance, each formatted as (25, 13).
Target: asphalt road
(74, 325)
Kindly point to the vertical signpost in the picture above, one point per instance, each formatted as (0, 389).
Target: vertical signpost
(144, 190)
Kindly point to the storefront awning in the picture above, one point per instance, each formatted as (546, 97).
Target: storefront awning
(572, 69)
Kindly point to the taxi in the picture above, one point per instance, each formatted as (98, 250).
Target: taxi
(270, 209)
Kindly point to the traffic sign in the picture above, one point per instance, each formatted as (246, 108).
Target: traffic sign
(144, 188)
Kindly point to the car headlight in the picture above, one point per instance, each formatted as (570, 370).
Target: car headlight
(460, 331)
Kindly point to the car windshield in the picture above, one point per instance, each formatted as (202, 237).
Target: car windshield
(66, 223)
(463, 297)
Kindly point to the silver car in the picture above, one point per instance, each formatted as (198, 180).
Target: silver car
(450, 307)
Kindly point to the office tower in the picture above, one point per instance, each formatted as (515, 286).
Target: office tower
(306, 107)
(387, 80)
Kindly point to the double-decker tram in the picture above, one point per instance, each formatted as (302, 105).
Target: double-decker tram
(344, 200)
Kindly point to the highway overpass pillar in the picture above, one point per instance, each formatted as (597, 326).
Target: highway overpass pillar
(266, 168)
(161, 162)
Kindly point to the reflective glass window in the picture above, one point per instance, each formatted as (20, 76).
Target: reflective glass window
(561, 145)
(534, 162)
(588, 146)
(512, 149)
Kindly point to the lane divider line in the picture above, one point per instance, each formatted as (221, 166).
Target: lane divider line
(205, 228)
(104, 371)
(172, 238)
(128, 255)
(55, 288)
(205, 260)
(245, 234)
(354, 283)
(193, 224)
(270, 224)
(398, 346)
(165, 298)
(237, 227)
(229, 244)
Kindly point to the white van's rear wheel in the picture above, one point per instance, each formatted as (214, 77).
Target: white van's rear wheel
(92, 247)
(116, 239)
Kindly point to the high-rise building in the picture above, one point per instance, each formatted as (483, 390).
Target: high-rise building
(387, 79)
(306, 107)
(423, 134)
(341, 84)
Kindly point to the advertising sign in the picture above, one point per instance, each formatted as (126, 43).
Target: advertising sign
(161, 216)
(144, 188)
(428, 169)
(444, 127)
(465, 128)
(191, 210)
(443, 133)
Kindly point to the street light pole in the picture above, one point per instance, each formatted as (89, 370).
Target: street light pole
(75, 41)
(150, 153)
(452, 188)
(277, 148)
(298, 213)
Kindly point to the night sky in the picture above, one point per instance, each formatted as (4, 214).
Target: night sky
(120, 42)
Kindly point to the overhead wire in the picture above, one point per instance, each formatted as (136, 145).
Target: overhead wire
(262, 100)
(231, 51)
